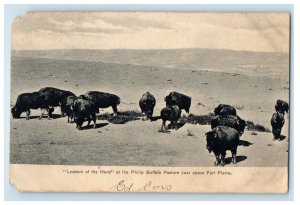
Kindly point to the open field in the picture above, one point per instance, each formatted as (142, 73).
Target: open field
(252, 82)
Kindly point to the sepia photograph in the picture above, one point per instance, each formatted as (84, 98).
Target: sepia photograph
(151, 90)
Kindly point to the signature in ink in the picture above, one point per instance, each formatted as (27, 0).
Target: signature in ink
(123, 186)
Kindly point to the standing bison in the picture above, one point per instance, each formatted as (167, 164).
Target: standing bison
(230, 121)
(147, 104)
(103, 100)
(55, 97)
(282, 106)
(277, 122)
(84, 110)
(27, 101)
(181, 100)
(224, 109)
(172, 114)
(219, 140)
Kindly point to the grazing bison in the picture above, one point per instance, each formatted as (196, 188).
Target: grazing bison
(103, 100)
(172, 114)
(68, 107)
(219, 140)
(230, 121)
(282, 106)
(277, 122)
(147, 104)
(224, 109)
(55, 97)
(181, 100)
(84, 110)
(27, 101)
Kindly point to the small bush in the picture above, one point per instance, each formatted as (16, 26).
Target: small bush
(189, 133)
(121, 118)
(256, 127)
(199, 119)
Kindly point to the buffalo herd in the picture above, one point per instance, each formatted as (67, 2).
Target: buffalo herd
(226, 126)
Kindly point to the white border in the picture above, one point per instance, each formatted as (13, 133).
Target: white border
(295, 79)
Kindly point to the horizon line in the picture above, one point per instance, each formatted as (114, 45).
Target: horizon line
(152, 49)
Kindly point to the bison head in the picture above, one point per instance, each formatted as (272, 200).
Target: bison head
(170, 101)
(16, 113)
(211, 137)
(79, 121)
(241, 125)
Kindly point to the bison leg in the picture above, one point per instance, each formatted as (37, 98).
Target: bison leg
(223, 154)
(49, 115)
(233, 152)
(187, 110)
(94, 120)
(27, 114)
(163, 126)
(78, 127)
(276, 134)
(145, 117)
(115, 109)
(150, 114)
(42, 113)
(72, 117)
(175, 125)
(217, 155)
(89, 121)
(50, 110)
(217, 162)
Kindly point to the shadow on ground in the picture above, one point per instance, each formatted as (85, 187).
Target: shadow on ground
(245, 143)
(91, 126)
(238, 159)
(53, 116)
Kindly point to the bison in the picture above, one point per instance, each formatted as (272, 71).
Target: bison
(84, 110)
(181, 100)
(27, 101)
(277, 122)
(55, 97)
(282, 106)
(219, 140)
(224, 109)
(172, 114)
(103, 100)
(230, 121)
(147, 104)
(68, 107)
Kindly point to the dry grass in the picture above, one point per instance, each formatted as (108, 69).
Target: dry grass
(256, 127)
(198, 119)
(121, 118)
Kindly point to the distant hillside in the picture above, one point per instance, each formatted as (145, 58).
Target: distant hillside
(243, 62)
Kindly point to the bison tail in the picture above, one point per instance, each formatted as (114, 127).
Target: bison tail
(119, 101)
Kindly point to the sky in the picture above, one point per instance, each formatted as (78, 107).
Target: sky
(266, 32)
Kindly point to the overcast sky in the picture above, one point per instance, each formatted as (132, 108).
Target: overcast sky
(236, 31)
